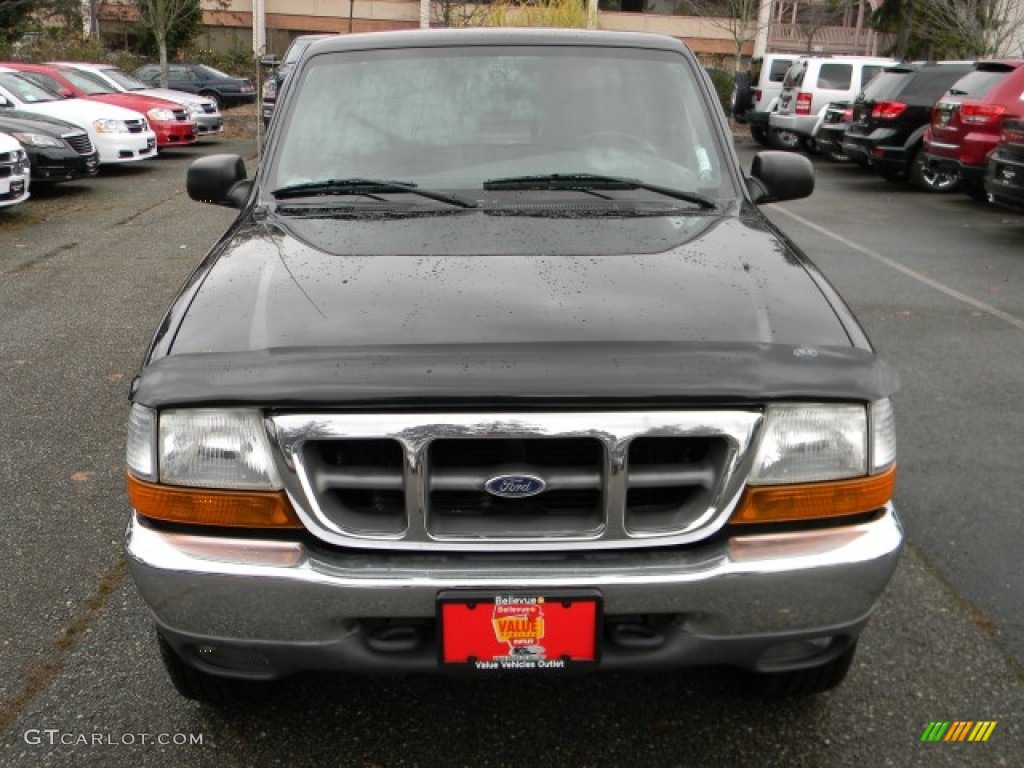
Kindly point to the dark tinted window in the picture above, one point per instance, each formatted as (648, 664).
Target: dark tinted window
(932, 82)
(977, 84)
(869, 73)
(888, 85)
(778, 71)
(835, 76)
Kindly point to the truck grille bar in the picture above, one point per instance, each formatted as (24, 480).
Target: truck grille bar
(418, 481)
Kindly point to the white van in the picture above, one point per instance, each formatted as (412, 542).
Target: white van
(813, 82)
(14, 171)
(758, 93)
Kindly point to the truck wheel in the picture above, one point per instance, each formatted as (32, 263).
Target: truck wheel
(806, 682)
(760, 134)
(929, 179)
(200, 686)
(786, 140)
(837, 155)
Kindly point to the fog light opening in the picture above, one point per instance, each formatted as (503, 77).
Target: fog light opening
(226, 657)
(803, 653)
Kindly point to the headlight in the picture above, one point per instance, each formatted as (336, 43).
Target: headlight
(161, 115)
(37, 140)
(883, 436)
(194, 111)
(110, 126)
(140, 452)
(810, 443)
(819, 462)
(215, 449)
(205, 467)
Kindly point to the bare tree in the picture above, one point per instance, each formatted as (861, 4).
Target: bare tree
(460, 13)
(162, 16)
(815, 16)
(737, 18)
(982, 28)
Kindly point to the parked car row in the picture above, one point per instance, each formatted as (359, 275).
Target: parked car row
(61, 121)
(944, 126)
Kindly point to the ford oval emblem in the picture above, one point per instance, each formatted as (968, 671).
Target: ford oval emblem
(515, 486)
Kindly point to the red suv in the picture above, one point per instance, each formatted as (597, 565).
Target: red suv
(170, 121)
(966, 121)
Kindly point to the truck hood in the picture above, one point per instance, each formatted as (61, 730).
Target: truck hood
(433, 303)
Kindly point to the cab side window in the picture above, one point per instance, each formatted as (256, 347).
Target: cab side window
(835, 76)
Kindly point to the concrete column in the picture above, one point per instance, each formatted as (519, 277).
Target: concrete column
(259, 27)
(764, 21)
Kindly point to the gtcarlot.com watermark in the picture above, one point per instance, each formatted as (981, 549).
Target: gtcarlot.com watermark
(53, 737)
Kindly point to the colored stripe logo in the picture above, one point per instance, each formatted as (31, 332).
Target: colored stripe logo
(959, 730)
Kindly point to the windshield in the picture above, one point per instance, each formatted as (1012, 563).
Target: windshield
(216, 73)
(455, 118)
(24, 90)
(123, 79)
(887, 85)
(295, 51)
(89, 84)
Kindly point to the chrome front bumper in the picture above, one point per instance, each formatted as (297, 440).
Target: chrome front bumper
(292, 607)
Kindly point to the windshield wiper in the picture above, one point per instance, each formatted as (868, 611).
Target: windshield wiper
(325, 187)
(589, 181)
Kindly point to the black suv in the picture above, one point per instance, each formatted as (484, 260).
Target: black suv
(891, 115)
(1004, 176)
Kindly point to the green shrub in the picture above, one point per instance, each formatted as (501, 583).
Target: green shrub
(723, 82)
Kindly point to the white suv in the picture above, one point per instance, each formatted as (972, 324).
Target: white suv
(813, 82)
(758, 92)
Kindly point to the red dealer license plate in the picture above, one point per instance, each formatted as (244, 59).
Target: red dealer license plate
(517, 631)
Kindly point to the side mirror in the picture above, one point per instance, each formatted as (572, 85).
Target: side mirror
(270, 60)
(220, 180)
(778, 176)
(4, 103)
(64, 93)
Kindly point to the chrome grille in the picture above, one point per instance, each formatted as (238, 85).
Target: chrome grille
(417, 481)
(135, 126)
(181, 114)
(79, 142)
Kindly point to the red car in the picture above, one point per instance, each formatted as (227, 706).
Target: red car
(170, 121)
(967, 120)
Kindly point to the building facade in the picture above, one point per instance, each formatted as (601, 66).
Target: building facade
(707, 26)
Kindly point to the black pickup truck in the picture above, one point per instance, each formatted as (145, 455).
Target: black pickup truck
(501, 370)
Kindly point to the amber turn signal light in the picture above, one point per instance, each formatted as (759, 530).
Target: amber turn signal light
(207, 506)
(814, 501)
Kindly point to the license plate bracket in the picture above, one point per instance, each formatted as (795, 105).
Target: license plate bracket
(519, 630)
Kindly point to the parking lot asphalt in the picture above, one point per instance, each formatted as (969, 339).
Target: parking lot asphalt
(85, 274)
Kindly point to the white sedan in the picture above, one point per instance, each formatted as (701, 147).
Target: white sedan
(119, 135)
(14, 171)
